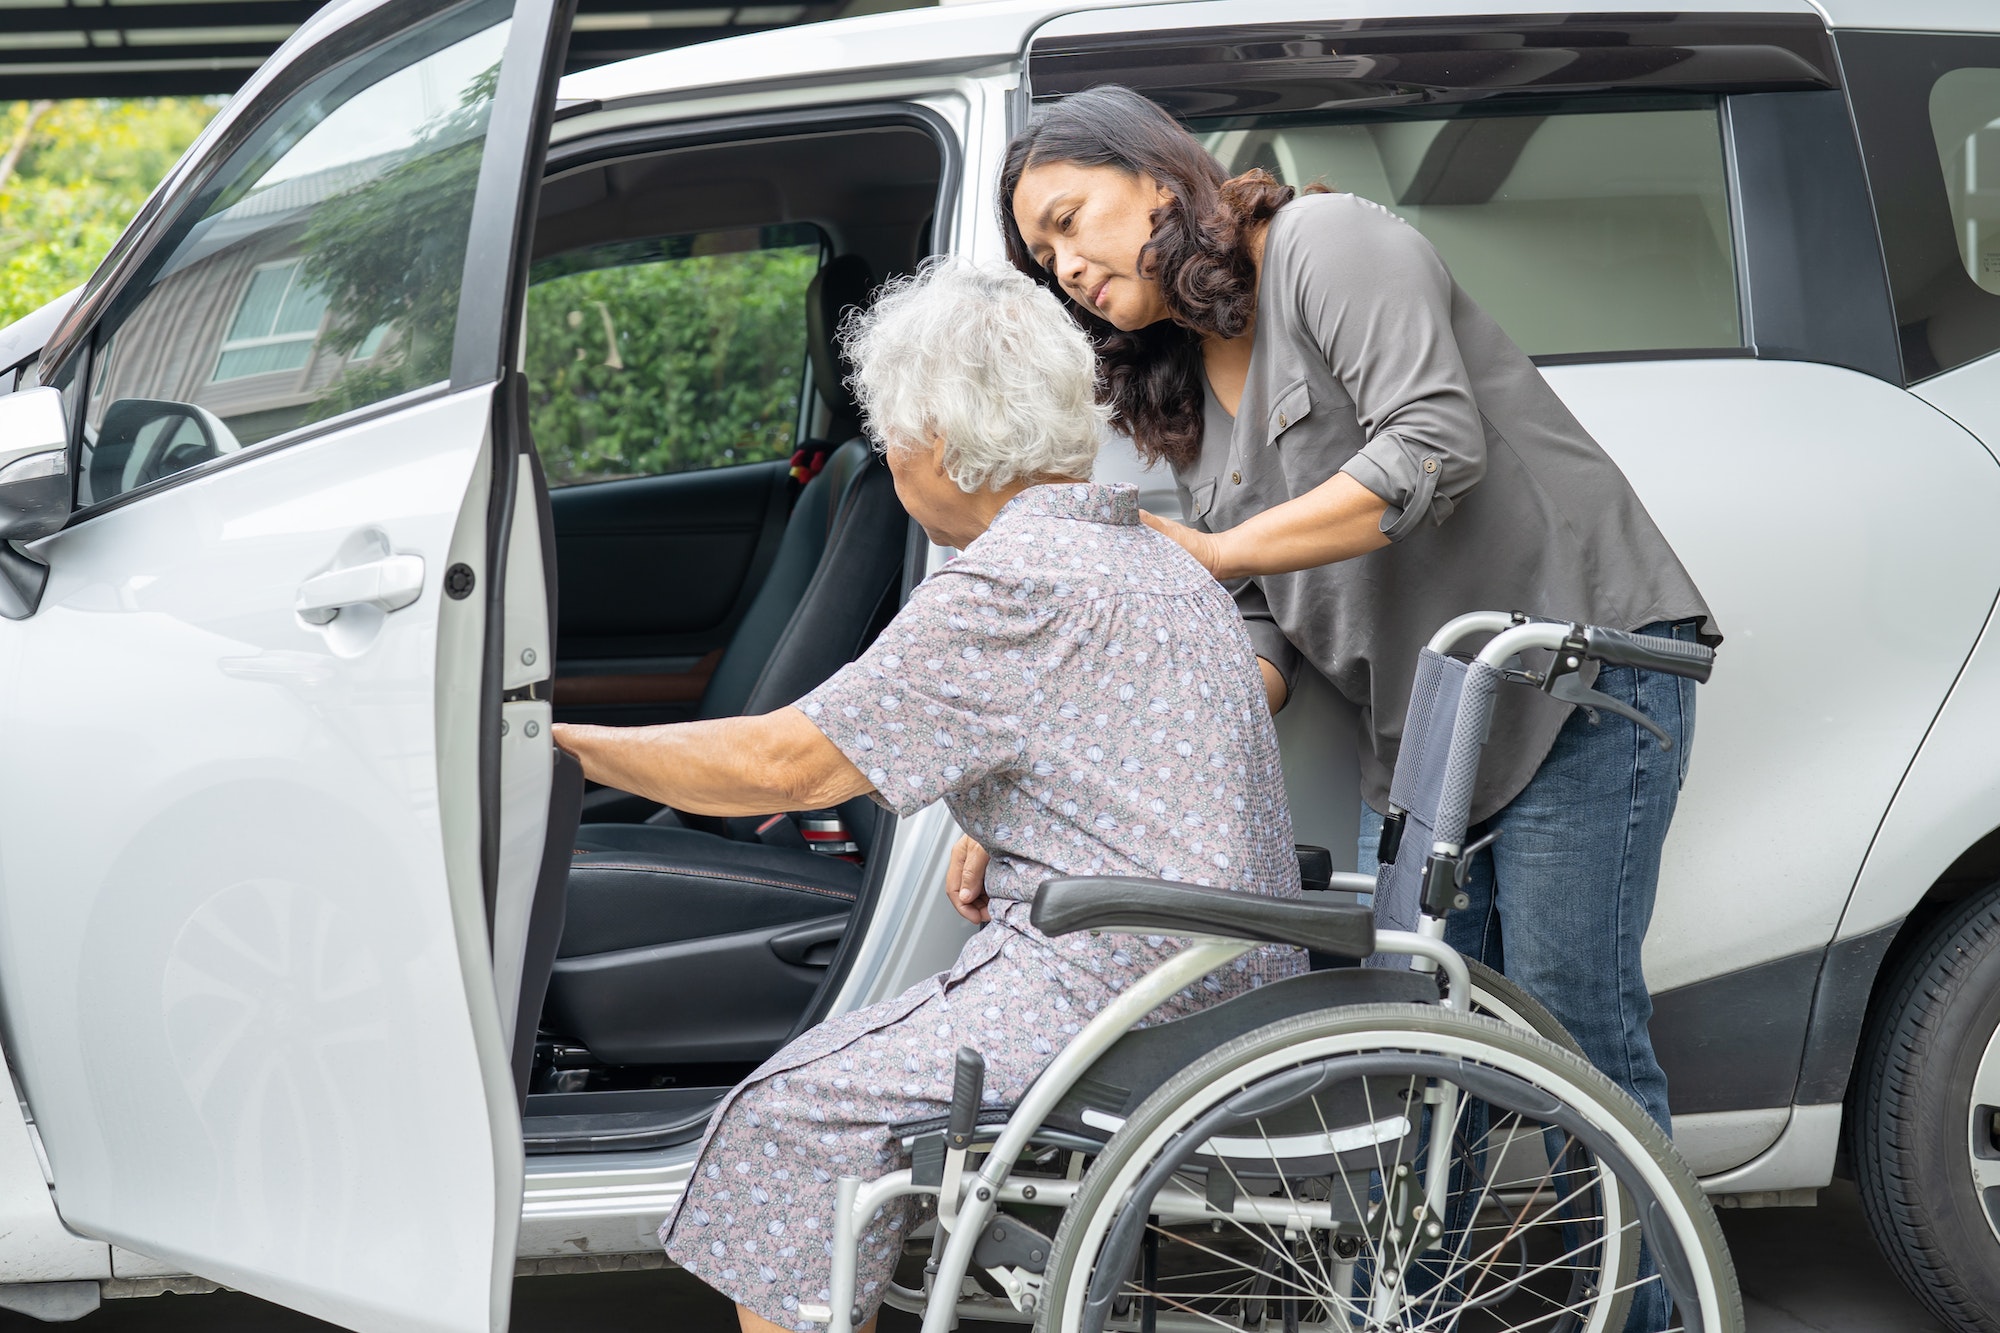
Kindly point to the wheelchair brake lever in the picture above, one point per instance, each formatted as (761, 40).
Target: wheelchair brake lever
(1571, 690)
(1470, 850)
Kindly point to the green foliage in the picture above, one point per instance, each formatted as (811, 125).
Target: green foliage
(84, 171)
(668, 364)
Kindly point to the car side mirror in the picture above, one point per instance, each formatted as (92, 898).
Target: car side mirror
(142, 440)
(34, 491)
(34, 465)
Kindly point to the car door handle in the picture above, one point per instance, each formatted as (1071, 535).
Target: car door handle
(812, 944)
(389, 584)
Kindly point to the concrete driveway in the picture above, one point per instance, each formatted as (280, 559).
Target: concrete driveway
(1804, 1270)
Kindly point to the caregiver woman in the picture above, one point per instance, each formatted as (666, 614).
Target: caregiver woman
(1364, 454)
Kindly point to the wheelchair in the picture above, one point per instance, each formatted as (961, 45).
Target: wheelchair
(1409, 1144)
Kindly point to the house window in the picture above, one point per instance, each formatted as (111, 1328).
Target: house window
(277, 321)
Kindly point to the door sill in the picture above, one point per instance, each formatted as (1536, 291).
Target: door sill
(618, 1121)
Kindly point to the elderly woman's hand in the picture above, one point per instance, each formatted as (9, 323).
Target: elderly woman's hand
(965, 881)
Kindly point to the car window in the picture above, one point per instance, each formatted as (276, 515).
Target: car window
(1965, 122)
(1579, 231)
(669, 354)
(1928, 108)
(318, 273)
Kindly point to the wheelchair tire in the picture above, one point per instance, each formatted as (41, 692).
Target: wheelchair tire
(1498, 997)
(1640, 1158)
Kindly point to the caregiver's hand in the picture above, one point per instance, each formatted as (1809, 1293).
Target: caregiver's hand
(965, 881)
(1335, 520)
(1203, 546)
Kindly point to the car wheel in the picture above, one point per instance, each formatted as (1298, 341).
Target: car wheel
(1924, 1133)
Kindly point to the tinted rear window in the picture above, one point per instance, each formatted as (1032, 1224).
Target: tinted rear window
(1581, 231)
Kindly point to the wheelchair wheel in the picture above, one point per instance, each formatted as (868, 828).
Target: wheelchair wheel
(1289, 1180)
(1497, 997)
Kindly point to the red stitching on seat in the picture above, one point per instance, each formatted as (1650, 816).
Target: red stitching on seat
(721, 874)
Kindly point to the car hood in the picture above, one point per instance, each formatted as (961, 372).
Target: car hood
(28, 334)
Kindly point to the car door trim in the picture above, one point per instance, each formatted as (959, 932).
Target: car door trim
(487, 339)
(1817, 290)
(1301, 66)
(639, 141)
(312, 431)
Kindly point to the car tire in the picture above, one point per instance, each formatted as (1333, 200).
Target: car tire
(1929, 1176)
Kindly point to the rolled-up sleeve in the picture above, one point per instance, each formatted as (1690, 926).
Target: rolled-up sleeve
(934, 705)
(1379, 302)
(1266, 638)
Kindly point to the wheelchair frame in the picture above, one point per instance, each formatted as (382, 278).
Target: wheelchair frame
(967, 1205)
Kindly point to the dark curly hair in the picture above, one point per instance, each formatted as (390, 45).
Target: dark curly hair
(1152, 377)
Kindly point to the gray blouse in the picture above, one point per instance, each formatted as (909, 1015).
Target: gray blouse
(1370, 360)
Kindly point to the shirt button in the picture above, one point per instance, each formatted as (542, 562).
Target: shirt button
(1283, 421)
(1430, 465)
(1236, 478)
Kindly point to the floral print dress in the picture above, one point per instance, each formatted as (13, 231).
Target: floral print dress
(1084, 698)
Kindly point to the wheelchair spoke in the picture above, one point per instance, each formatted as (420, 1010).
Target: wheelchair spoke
(1485, 1264)
(1385, 1196)
(1326, 1278)
(1517, 1283)
(1241, 1268)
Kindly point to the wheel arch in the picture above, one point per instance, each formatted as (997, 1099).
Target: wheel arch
(1860, 972)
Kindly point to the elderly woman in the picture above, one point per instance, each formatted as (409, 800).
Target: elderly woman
(1073, 685)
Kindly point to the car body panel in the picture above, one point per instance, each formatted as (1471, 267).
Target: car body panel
(1845, 626)
(1950, 798)
(200, 990)
(1909, 15)
(1945, 804)
(921, 41)
(37, 1247)
(24, 337)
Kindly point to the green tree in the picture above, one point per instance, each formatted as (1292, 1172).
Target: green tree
(667, 362)
(83, 169)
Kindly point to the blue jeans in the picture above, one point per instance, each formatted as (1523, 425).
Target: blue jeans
(1561, 901)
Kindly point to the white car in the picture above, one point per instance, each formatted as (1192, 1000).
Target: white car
(290, 1000)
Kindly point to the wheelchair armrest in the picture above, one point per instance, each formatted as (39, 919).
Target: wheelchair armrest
(1157, 907)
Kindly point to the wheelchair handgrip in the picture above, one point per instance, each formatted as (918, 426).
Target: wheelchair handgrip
(1648, 652)
(968, 1085)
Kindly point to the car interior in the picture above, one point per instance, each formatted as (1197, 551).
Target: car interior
(1580, 233)
(692, 584)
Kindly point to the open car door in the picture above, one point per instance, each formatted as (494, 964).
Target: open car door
(261, 821)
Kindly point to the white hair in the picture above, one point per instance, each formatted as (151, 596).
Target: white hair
(983, 356)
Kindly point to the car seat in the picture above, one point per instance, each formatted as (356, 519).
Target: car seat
(688, 940)
(842, 283)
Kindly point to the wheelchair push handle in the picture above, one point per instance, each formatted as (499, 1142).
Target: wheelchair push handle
(1675, 657)
(1515, 632)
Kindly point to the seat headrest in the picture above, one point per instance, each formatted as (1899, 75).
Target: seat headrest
(843, 282)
